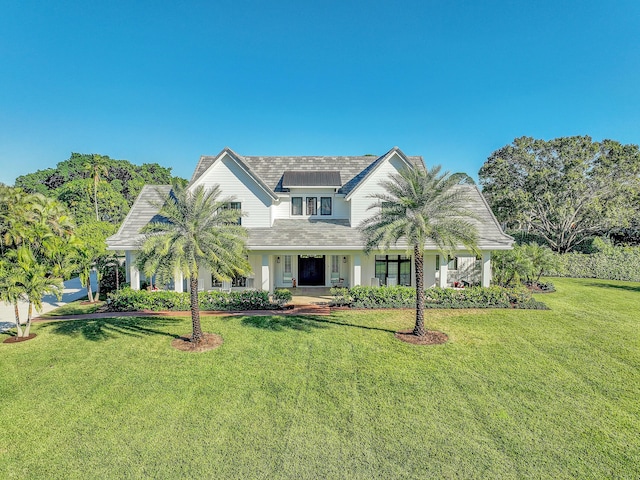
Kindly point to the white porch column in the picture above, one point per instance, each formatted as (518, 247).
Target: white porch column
(266, 282)
(444, 272)
(133, 275)
(177, 282)
(357, 271)
(429, 269)
(485, 281)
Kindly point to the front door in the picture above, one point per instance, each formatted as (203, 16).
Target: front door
(310, 270)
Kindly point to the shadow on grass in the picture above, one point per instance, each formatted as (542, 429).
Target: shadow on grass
(104, 328)
(629, 288)
(305, 323)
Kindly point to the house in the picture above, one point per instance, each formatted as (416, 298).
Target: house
(302, 215)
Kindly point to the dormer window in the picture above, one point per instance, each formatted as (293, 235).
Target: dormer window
(312, 206)
(296, 205)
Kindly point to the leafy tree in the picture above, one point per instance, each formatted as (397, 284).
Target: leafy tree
(564, 190)
(91, 253)
(77, 182)
(419, 205)
(197, 232)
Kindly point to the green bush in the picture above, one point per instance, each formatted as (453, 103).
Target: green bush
(128, 300)
(612, 263)
(282, 296)
(405, 297)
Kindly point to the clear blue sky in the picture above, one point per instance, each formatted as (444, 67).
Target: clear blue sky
(166, 82)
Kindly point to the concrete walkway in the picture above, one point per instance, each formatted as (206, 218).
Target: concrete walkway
(73, 290)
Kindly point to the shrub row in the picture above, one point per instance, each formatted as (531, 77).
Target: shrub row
(405, 297)
(127, 300)
(615, 263)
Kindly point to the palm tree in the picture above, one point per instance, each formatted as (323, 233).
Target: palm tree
(96, 166)
(419, 205)
(197, 231)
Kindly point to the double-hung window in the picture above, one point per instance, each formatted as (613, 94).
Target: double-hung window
(325, 205)
(312, 206)
(296, 205)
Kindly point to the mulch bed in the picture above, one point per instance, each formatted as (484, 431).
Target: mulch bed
(431, 338)
(17, 339)
(209, 342)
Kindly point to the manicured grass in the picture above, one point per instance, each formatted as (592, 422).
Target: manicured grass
(78, 307)
(514, 394)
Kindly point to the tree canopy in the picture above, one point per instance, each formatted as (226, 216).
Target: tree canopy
(564, 190)
(94, 185)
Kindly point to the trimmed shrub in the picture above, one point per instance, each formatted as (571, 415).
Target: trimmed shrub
(282, 296)
(405, 297)
(128, 300)
(612, 263)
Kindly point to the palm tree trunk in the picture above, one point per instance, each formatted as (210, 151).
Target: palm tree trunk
(95, 196)
(17, 315)
(97, 297)
(89, 289)
(29, 312)
(196, 336)
(419, 330)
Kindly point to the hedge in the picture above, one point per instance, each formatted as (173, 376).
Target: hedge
(405, 297)
(128, 300)
(615, 263)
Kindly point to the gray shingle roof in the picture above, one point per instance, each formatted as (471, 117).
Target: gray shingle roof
(144, 210)
(271, 169)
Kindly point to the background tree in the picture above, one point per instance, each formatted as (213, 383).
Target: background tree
(197, 231)
(419, 205)
(73, 183)
(97, 165)
(564, 190)
(91, 253)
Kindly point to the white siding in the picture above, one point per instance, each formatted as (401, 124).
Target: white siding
(235, 182)
(360, 201)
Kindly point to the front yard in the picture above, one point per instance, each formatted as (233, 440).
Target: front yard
(514, 394)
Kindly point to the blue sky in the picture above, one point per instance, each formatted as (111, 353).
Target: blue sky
(452, 81)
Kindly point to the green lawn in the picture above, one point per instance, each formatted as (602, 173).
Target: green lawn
(514, 394)
(77, 307)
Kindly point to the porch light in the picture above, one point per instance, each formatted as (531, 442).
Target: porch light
(277, 259)
(344, 259)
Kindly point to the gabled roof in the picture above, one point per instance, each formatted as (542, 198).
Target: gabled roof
(207, 162)
(144, 210)
(270, 170)
(366, 173)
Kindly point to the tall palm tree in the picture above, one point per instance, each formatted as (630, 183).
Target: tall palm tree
(96, 166)
(418, 205)
(197, 231)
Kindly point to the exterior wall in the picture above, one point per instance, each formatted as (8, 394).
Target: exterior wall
(235, 182)
(339, 207)
(360, 201)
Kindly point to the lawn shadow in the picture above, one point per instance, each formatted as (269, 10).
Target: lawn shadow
(279, 323)
(104, 328)
(629, 288)
(305, 323)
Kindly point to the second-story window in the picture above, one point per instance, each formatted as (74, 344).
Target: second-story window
(296, 205)
(325, 205)
(312, 206)
(234, 206)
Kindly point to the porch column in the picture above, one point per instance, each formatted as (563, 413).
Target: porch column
(177, 282)
(429, 271)
(133, 275)
(357, 271)
(485, 281)
(444, 272)
(266, 282)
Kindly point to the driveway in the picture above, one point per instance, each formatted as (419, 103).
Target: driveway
(72, 291)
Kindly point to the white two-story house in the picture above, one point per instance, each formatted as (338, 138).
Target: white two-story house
(302, 215)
